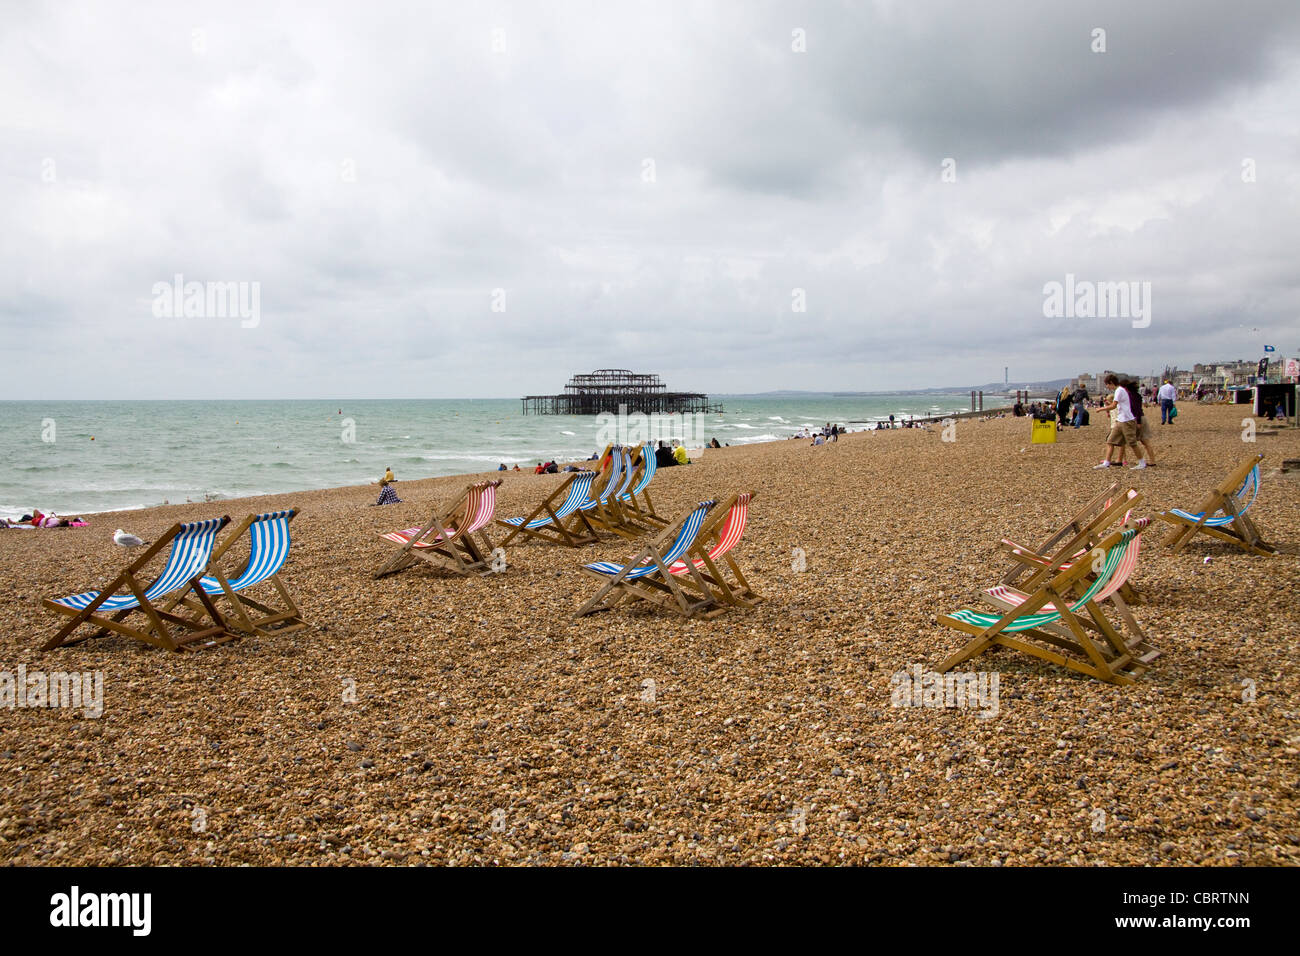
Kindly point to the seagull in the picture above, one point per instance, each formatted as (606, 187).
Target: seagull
(120, 537)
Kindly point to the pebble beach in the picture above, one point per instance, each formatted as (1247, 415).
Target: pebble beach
(427, 718)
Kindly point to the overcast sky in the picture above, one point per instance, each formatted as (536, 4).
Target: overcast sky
(647, 184)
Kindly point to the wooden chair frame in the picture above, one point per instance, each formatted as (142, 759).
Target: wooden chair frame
(184, 633)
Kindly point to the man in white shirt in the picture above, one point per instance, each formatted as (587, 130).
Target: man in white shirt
(1125, 430)
(1166, 396)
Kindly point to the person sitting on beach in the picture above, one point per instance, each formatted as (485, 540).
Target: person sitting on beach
(679, 455)
(818, 439)
(516, 468)
(714, 444)
(540, 469)
(501, 467)
(552, 468)
(664, 456)
(388, 476)
(388, 496)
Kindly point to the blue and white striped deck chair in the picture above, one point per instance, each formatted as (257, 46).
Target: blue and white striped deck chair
(268, 549)
(647, 576)
(636, 502)
(609, 486)
(1224, 515)
(566, 523)
(191, 553)
(610, 514)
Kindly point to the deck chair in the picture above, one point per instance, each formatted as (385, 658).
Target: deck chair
(1045, 624)
(1223, 515)
(447, 539)
(1111, 596)
(268, 549)
(647, 577)
(610, 514)
(565, 523)
(720, 534)
(191, 553)
(1081, 533)
(635, 502)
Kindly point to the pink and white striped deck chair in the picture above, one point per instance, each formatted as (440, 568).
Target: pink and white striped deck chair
(447, 540)
(722, 532)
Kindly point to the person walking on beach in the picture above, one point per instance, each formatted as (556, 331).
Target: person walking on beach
(1167, 396)
(1124, 431)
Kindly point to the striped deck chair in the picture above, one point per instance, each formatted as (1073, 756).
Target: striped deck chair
(636, 502)
(1046, 616)
(720, 534)
(268, 549)
(610, 514)
(1223, 515)
(1081, 533)
(191, 553)
(647, 577)
(565, 523)
(447, 539)
(606, 483)
(1006, 597)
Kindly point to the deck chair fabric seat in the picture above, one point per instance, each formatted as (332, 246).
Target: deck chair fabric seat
(190, 554)
(647, 576)
(189, 558)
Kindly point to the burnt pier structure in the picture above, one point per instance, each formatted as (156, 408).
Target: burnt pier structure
(606, 389)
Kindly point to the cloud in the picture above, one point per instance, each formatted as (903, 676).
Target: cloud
(647, 186)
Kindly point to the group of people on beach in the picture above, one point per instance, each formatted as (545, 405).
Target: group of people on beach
(38, 520)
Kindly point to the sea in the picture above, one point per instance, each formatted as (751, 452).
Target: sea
(75, 458)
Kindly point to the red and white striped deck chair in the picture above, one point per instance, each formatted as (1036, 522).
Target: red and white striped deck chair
(1007, 598)
(447, 540)
(721, 534)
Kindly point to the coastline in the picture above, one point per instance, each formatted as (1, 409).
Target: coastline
(472, 696)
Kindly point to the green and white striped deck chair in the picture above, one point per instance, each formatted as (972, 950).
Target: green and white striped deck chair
(190, 556)
(1047, 624)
